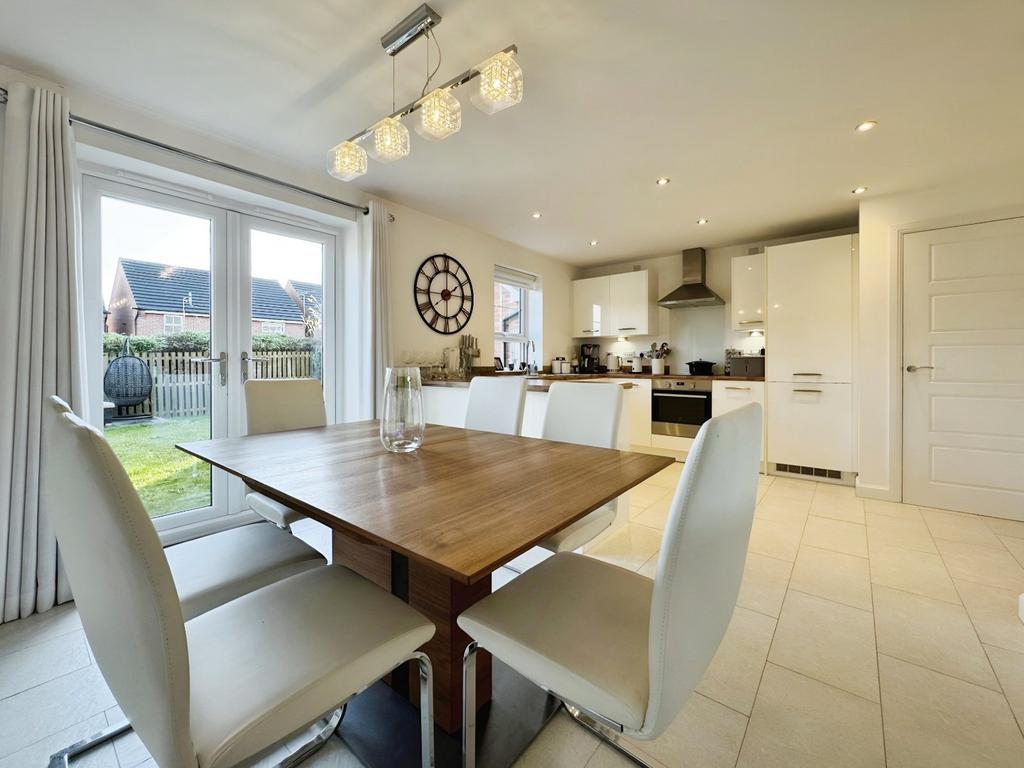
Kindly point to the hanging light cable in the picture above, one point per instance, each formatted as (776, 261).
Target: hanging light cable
(440, 112)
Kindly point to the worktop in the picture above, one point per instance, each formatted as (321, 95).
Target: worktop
(541, 382)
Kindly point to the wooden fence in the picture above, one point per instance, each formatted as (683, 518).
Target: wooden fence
(182, 387)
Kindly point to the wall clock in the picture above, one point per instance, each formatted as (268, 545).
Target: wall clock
(443, 293)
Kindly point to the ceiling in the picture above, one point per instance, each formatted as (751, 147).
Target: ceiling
(748, 106)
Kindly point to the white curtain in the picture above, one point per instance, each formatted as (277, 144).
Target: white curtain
(41, 336)
(380, 287)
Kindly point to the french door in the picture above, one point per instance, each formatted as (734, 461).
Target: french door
(196, 299)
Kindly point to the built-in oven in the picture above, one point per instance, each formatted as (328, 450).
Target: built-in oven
(679, 406)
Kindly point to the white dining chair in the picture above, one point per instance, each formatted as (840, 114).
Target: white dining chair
(216, 690)
(211, 570)
(496, 404)
(587, 414)
(636, 648)
(278, 405)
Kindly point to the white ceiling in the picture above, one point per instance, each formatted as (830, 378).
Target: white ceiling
(748, 106)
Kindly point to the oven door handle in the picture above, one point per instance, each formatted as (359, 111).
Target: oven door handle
(682, 394)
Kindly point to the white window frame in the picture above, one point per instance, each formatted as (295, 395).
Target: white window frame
(523, 337)
(276, 324)
(179, 320)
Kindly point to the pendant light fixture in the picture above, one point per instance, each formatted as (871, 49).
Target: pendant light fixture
(499, 86)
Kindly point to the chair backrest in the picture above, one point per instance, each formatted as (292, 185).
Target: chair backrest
(584, 413)
(121, 581)
(496, 404)
(700, 566)
(277, 405)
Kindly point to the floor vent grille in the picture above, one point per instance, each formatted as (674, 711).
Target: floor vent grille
(795, 469)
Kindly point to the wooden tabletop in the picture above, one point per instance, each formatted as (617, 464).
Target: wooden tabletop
(465, 503)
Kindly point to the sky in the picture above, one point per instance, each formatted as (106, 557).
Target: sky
(144, 233)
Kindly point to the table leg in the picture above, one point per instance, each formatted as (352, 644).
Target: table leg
(439, 598)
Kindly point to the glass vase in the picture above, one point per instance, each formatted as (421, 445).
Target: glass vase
(402, 423)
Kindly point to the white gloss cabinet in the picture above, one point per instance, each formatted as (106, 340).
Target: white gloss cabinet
(810, 305)
(614, 305)
(810, 425)
(591, 306)
(748, 297)
(727, 396)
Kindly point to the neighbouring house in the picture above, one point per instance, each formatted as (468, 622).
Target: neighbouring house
(149, 298)
(309, 298)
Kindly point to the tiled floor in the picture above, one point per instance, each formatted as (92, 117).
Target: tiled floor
(866, 634)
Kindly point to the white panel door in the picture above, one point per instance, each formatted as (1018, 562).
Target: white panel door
(963, 368)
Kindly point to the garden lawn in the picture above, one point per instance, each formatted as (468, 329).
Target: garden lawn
(168, 480)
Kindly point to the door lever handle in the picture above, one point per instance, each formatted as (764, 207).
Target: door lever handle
(246, 359)
(916, 368)
(222, 358)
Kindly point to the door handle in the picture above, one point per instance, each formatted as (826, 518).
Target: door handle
(246, 359)
(916, 368)
(807, 374)
(739, 389)
(815, 391)
(751, 322)
(222, 358)
(631, 328)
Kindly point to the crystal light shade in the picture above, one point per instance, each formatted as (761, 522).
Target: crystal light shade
(390, 140)
(500, 84)
(440, 115)
(346, 161)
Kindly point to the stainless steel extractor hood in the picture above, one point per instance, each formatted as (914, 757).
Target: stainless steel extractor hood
(694, 292)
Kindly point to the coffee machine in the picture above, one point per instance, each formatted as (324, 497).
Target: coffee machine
(590, 358)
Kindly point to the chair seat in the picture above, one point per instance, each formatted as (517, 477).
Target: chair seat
(274, 511)
(275, 660)
(576, 626)
(583, 530)
(214, 569)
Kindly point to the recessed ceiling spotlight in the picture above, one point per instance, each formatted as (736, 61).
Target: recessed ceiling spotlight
(536, 214)
(859, 190)
(702, 221)
(663, 181)
(593, 242)
(866, 126)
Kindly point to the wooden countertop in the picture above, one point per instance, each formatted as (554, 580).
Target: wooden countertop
(542, 382)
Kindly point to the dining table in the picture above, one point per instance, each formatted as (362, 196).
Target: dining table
(432, 525)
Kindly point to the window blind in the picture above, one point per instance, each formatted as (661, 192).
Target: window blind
(516, 277)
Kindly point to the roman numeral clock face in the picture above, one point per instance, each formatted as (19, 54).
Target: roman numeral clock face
(443, 293)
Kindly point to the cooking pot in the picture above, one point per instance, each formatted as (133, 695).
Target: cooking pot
(700, 367)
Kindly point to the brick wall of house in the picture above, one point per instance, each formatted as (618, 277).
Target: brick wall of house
(152, 323)
(294, 330)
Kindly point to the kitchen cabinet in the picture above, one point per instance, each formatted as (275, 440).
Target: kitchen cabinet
(748, 296)
(729, 395)
(591, 305)
(615, 305)
(811, 425)
(810, 305)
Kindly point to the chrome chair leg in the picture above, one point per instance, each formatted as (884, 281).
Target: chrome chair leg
(469, 706)
(331, 723)
(605, 731)
(61, 759)
(426, 710)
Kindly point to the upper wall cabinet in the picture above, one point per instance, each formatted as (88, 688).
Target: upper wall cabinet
(810, 301)
(748, 302)
(615, 305)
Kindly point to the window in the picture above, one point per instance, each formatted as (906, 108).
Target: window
(512, 335)
(174, 323)
(272, 326)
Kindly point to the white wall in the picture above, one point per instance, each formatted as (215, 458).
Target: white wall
(985, 196)
(414, 236)
(696, 332)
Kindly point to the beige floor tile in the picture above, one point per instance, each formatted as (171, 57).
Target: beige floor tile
(802, 723)
(833, 643)
(609, 757)
(792, 488)
(562, 742)
(833, 575)
(835, 491)
(892, 509)
(956, 526)
(39, 627)
(629, 548)
(1009, 667)
(38, 753)
(705, 734)
(649, 568)
(775, 539)
(918, 572)
(936, 721)
(994, 613)
(735, 672)
(655, 515)
(838, 508)
(41, 662)
(836, 535)
(668, 477)
(1000, 527)
(931, 633)
(903, 532)
(1016, 547)
(764, 584)
(646, 494)
(783, 510)
(975, 562)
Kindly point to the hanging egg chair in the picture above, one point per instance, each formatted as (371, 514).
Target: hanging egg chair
(127, 381)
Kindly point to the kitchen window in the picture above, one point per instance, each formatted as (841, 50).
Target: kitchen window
(174, 324)
(512, 332)
(272, 326)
